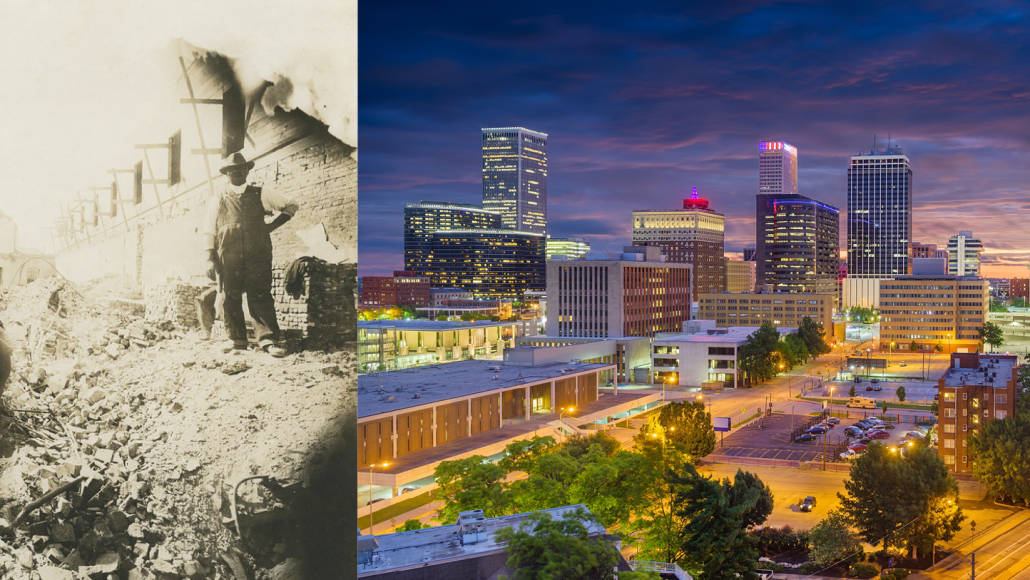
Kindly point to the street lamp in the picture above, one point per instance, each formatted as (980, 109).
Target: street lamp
(833, 388)
(672, 379)
(371, 524)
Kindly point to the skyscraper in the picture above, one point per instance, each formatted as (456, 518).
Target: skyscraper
(797, 244)
(879, 214)
(964, 254)
(488, 263)
(515, 177)
(424, 218)
(777, 167)
(692, 235)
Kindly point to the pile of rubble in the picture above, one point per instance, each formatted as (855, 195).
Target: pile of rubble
(132, 449)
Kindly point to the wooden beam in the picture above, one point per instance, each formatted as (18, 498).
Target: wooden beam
(207, 151)
(153, 146)
(192, 101)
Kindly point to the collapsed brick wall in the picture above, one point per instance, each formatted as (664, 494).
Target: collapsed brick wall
(325, 315)
(172, 302)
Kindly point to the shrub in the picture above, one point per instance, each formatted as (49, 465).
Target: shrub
(896, 574)
(862, 570)
(809, 568)
(772, 541)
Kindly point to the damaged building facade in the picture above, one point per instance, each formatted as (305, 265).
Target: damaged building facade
(143, 226)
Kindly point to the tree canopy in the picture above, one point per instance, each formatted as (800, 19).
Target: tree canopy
(549, 548)
(686, 426)
(1001, 449)
(814, 336)
(832, 540)
(901, 498)
(990, 333)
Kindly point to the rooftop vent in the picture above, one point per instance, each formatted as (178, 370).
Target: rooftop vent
(471, 527)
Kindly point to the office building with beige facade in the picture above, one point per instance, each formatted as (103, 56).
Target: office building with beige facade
(779, 309)
(740, 276)
(932, 311)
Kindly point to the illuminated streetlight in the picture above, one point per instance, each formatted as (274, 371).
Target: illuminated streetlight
(561, 412)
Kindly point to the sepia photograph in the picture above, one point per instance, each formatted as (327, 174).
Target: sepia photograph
(178, 262)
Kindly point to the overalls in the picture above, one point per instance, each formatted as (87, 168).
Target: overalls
(244, 251)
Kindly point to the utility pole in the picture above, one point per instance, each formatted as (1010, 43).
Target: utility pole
(972, 561)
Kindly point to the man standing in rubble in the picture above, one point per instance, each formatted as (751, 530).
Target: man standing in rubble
(239, 250)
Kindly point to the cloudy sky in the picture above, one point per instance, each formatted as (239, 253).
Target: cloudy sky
(85, 81)
(644, 102)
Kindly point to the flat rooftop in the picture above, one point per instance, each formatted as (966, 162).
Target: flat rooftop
(733, 335)
(430, 384)
(998, 373)
(429, 545)
(437, 325)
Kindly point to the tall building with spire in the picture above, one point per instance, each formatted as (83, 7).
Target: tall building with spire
(515, 177)
(694, 235)
(777, 167)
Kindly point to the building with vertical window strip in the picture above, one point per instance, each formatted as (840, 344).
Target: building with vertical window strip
(571, 248)
(974, 390)
(740, 275)
(797, 245)
(933, 310)
(964, 254)
(515, 177)
(692, 235)
(777, 167)
(879, 214)
(487, 263)
(422, 219)
(636, 294)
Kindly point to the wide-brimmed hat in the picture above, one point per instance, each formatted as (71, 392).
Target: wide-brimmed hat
(235, 160)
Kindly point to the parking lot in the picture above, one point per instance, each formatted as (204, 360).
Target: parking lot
(769, 438)
(773, 440)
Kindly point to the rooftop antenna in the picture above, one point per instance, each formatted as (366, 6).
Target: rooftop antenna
(874, 142)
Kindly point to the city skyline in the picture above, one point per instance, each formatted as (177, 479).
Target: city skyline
(623, 137)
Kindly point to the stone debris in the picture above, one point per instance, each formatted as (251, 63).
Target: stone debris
(127, 428)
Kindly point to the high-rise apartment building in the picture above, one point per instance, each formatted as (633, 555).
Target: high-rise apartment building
(636, 294)
(487, 263)
(932, 311)
(570, 248)
(740, 276)
(975, 389)
(964, 254)
(879, 214)
(797, 245)
(777, 167)
(692, 235)
(515, 177)
(422, 219)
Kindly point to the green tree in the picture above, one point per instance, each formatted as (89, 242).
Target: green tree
(686, 426)
(441, 317)
(547, 548)
(1018, 302)
(832, 539)
(793, 350)
(1002, 452)
(812, 333)
(883, 407)
(716, 519)
(471, 483)
(915, 512)
(998, 306)
(990, 333)
(913, 346)
(520, 455)
(900, 393)
(755, 357)
(851, 390)
(411, 525)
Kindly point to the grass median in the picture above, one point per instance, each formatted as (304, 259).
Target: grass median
(399, 508)
(890, 404)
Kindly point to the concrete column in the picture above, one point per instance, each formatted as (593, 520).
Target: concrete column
(615, 383)
(529, 403)
(500, 409)
(393, 436)
(434, 427)
(469, 421)
(554, 400)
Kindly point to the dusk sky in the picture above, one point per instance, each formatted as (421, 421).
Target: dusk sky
(642, 103)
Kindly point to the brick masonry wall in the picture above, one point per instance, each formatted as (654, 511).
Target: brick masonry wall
(325, 316)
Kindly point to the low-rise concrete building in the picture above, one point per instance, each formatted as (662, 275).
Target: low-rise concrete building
(467, 549)
(399, 344)
(976, 389)
(415, 418)
(701, 356)
(630, 355)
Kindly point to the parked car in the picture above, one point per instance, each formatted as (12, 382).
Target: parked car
(804, 438)
(833, 421)
(877, 387)
(807, 504)
(858, 447)
(869, 387)
(817, 430)
(866, 440)
(849, 455)
(879, 434)
(853, 431)
(888, 426)
(902, 364)
(874, 380)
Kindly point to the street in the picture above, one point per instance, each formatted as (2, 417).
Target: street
(1003, 551)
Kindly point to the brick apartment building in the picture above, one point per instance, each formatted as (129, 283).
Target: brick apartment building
(975, 389)
(402, 289)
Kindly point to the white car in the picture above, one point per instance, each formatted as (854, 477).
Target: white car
(849, 455)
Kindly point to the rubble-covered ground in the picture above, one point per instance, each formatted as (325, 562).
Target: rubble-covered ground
(126, 444)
